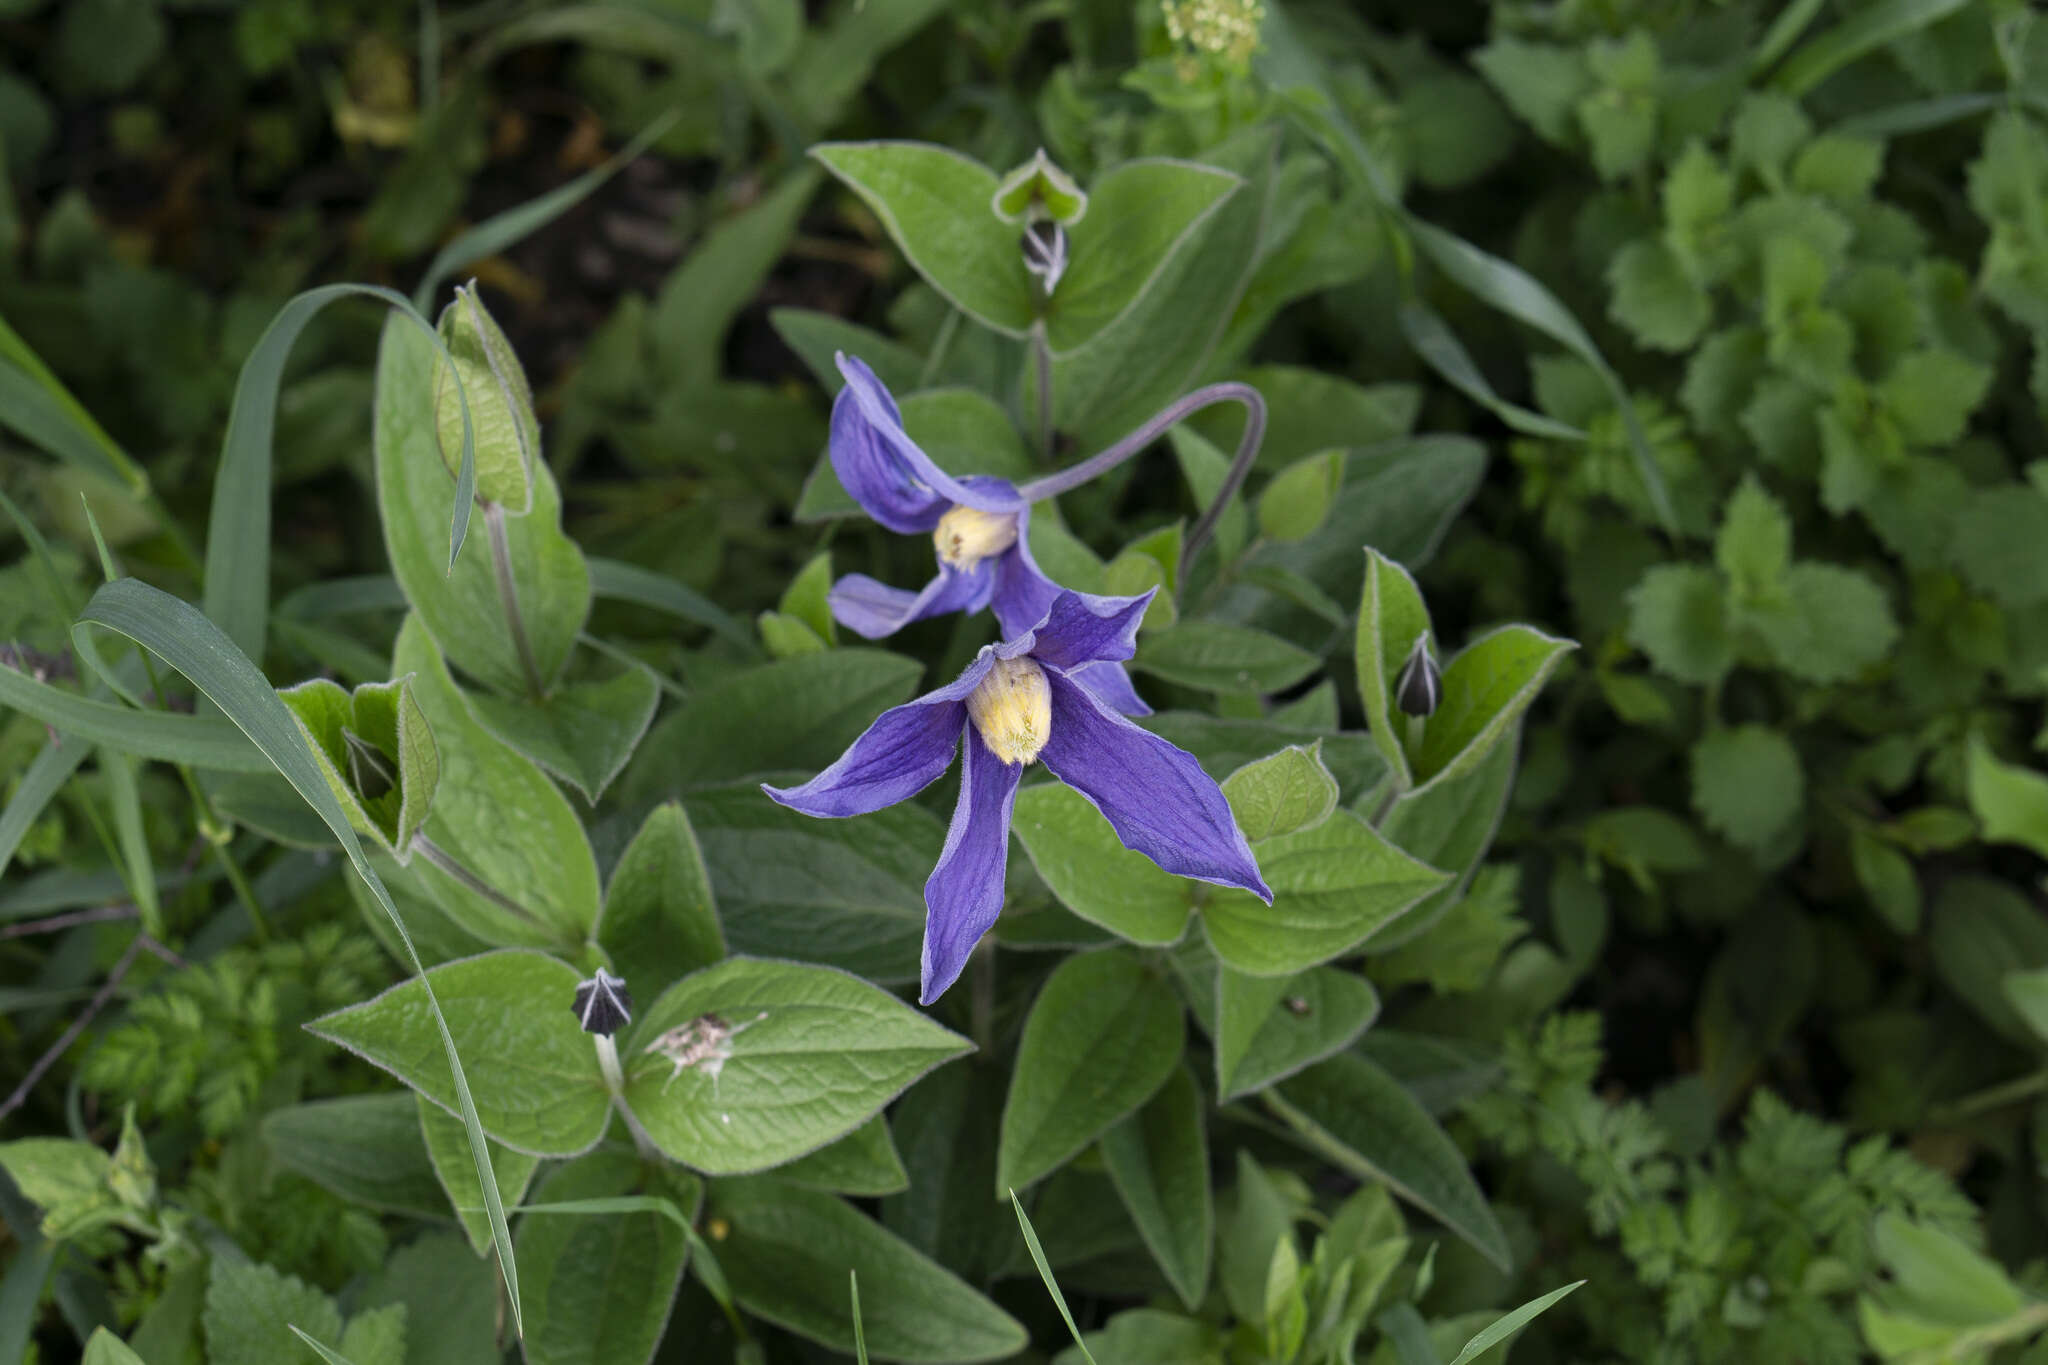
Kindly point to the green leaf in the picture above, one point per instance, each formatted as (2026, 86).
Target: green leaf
(848, 893)
(1159, 1160)
(1213, 657)
(766, 1061)
(1754, 546)
(1088, 868)
(599, 1287)
(1866, 29)
(1282, 793)
(582, 732)
(70, 1181)
(1939, 1277)
(1747, 784)
(1834, 624)
(1448, 825)
(1269, 1027)
(483, 406)
(1488, 685)
(1931, 393)
(36, 406)
(1139, 215)
(1102, 1037)
(862, 1163)
(1997, 545)
(377, 752)
(465, 607)
(536, 1082)
(448, 1149)
(451, 1301)
(787, 1253)
(1298, 499)
(721, 275)
(376, 1336)
(2011, 802)
(252, 1309)
(936, 204)
(1981, 931)
(1391, 618)
(793, 713)
(1541, 82)
(1655, 297)
(199, 741)
(947, 1127)
(1678, 618)
(1355, 1115)
(528, 875)
(1432, 339)
(631, 583)
(1334, 886)
(1507, 1324)
(104, 1348)
(660, 922)
(1887, 878)
(191, 644)
(365, 1148)
(817, 337)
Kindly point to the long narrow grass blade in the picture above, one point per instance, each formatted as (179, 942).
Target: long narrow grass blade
(126, 795)
(630, 583)
(501, 230)
(1045, 1273)
(619, 1203)
(1505, 1326)
(1866, 29)
(343, 596)
(327, 1353)
(860, 1338)
(238, 528)
(186, 640)
(58, 590)
(1431, 339)
(42, 780)
(201, 741)
(38, 407)
(1783, 32)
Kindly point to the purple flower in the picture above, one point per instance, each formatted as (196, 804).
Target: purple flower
(979, 525)
(1017, 702)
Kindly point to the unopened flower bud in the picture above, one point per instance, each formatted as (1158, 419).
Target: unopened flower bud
(967, 535)
(1036, 190)
(1420, 688)
(502, 424)
(602, 1005)
(1044, 245)
(1012, 710)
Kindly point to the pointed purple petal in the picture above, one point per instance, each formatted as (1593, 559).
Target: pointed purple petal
(1022, 591)
(1080, 628)
(893, 480)
(1155, 796)
(898, 756)
(872, 610)
(965, 893)
(1111, 685)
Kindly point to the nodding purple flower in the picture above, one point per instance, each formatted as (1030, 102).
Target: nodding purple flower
(979, 526)
(1017, 703)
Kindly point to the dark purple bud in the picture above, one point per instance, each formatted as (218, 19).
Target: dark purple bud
(602, 1005)
(1420, 688)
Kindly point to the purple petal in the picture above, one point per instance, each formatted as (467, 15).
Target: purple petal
(898, 756)
(965, 892)
(894, 481)
(1156, 797)
(872, 610)
(1022, 591)
(1111, 685)
(1080, 628)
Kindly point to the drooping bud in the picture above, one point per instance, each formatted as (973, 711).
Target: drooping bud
(1012, 710)
(602, 1005)
(1420, 687)
(1038, 190)
(369, 768)
(967, 535)
(1044, 245)
(506, 433)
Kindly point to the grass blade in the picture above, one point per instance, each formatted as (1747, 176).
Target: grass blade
(126, 795)
(343, 596)
(327, 1353)
(238, 528)
(643, 587)
(1508, 1324)
(1045, 1273)
(201, 741)
(186, 640)
(41, 410)
(501, 230)
(619, 1203)
(860, 1340)
(1431, 339)
(42, 781)
(1864, 30)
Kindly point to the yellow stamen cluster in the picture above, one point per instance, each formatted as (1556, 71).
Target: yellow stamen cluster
(1222, 28)
(968, 535)
(1012, 710)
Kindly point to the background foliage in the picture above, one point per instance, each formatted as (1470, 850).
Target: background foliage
(1711, 335)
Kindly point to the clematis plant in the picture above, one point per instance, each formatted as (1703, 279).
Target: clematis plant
(979, 524)
(1022, 702)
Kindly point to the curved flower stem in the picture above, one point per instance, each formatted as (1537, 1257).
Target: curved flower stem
(1041, 357)
(1180, 408)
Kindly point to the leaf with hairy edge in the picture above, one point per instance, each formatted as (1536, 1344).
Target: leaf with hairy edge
(1087, 867)
(600, 1285)
(1391, 618)
(1139, 215)
(365, 1148)
(448, 1150)
(660, 921)
(1269, 1027)
(863, 1163)
(1487, 687)
(193, 645)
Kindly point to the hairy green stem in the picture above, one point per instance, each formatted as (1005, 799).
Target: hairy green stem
(508, 597)
(440, 858)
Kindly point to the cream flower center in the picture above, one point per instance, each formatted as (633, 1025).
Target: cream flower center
(968, 535)
(1012, 710)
